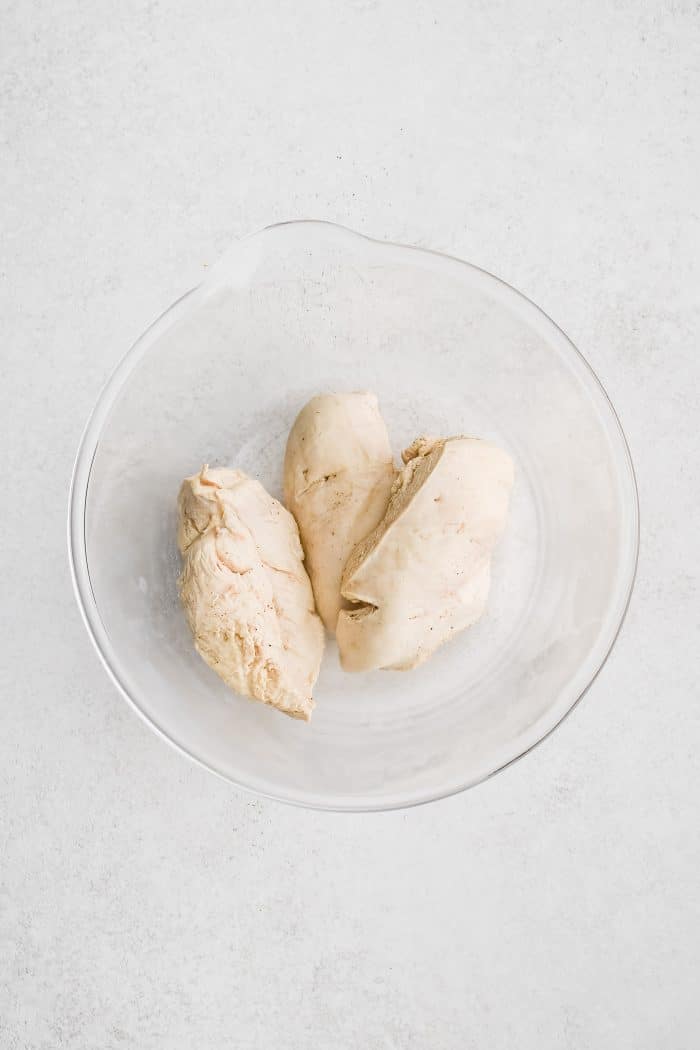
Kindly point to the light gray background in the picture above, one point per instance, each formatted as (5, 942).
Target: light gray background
(146, 904)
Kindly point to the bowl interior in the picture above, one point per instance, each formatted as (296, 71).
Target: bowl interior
(449, 349)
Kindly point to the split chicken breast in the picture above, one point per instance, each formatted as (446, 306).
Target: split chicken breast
(245, 591)
(423, 574)
(338, 472)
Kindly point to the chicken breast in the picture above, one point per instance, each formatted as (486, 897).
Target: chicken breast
(424, 572)
(245, 591)
(338, 472)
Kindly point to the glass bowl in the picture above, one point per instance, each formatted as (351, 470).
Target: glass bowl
(306, 307)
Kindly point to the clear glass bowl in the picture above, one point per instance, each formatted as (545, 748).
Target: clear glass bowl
(305, 307)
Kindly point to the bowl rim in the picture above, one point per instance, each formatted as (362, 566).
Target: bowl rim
(77, 550)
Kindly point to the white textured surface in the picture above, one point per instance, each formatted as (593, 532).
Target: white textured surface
(144, 903)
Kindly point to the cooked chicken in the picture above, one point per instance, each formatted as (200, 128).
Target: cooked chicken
(424, 573)
(338, 472)
(245, 590)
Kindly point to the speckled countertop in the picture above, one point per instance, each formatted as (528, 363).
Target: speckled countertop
(145, 904)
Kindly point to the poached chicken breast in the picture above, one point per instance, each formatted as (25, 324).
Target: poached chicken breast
(338, 472)
(423, 573)
(246, 592)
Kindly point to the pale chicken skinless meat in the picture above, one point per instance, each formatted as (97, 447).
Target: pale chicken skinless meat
(423, 574)
(338, 472)
(245, 591)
